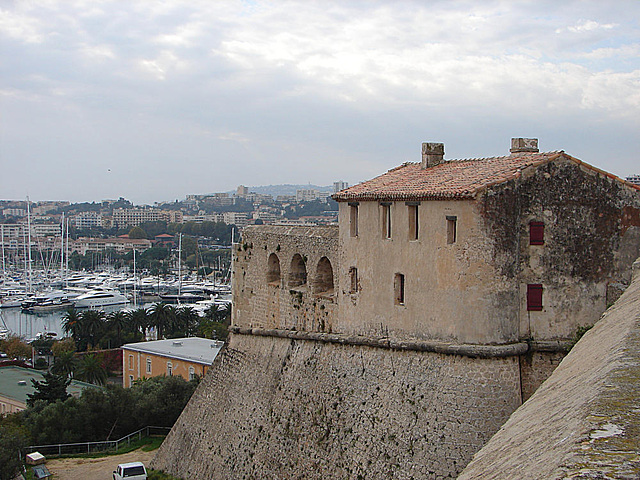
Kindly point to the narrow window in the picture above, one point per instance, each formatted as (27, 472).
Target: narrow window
(192, 373)
(451, 229)
(534, 297)
(169, 369)
(130, 380)
(273, 269)
(398, 287)
(386, 220)
(353, 219)
(536, 233)
(130, 362)
(413, 220)
(353, 279)
(148, 365)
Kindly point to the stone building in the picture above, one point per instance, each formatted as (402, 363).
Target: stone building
(398, 343)
(485, 251)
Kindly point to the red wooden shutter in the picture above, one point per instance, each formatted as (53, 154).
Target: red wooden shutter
(534, 297)
(536, 233)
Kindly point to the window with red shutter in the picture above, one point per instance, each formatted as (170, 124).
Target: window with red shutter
(534, 297)
(536, 233)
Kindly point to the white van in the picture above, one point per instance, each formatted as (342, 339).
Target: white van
(130, 471)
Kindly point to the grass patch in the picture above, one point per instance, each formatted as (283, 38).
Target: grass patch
(147, 444)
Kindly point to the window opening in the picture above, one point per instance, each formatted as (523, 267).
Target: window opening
(273, 269)
(148, 365)
(353, 219)
(131, 380)
(451, 229)
(413, 221)
(386, 220)
(130, 362)
(324, 276)
(353, 279)
(398, 286)
(534, 297)
(536, 233)
(169, 369)
(192, 373)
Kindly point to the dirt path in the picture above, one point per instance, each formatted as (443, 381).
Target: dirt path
(94, 468)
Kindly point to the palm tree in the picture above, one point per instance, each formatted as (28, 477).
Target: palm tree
(118, 321)
(188, 320)
(71, 323)
(65, 364)
(162, 317)
(91, 370)
(92, 324)
(138, 320)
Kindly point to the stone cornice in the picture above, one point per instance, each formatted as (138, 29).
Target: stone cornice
(463, 349)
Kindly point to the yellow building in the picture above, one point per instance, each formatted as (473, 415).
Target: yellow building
(186, 357)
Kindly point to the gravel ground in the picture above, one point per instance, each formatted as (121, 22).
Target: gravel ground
(94, 468)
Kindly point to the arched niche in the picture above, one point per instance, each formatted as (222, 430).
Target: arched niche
(298, 271)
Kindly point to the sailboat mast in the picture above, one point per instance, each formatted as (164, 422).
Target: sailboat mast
(66, 258)
(4, 266)
(180, 265)
(29, 236)
(135, 278)
(62, 248)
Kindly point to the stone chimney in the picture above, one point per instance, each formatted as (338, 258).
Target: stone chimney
(432, 154)
(519, 145)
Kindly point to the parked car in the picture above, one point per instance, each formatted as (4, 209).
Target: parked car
(130, 471)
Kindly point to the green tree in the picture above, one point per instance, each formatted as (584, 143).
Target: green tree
(91, 369)
(50, 390)
(71, 323)
(92, 323)
(138, 320)
(118, 322)
(12, 439)
(162, 317)
(65, 364)
(14, 347)
(62, 346)
(137, 232)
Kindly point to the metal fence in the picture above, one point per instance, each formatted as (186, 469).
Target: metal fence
(93, 447)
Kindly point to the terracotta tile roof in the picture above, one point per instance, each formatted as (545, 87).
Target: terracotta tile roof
(451, 179)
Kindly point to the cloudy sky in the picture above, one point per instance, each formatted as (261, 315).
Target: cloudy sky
(153, 100)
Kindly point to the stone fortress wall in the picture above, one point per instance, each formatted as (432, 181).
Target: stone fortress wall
(292, 397)
(286, 278)
(279, 408)
(304, 390)
(583, 421)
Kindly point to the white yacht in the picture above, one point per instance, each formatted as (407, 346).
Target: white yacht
(100, 298)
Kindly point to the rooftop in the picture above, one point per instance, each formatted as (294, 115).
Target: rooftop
(454, 179)
(451, 179)
(192, 349)
(12, 386)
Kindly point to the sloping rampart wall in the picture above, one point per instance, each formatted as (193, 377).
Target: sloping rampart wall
(583, 421)
(278, 408)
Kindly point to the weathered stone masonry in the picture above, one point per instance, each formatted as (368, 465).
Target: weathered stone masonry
(275, 408)
(326, 377)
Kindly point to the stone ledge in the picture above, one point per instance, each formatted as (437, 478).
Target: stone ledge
(467, 350)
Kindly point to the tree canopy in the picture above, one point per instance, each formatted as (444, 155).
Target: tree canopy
(50, 390)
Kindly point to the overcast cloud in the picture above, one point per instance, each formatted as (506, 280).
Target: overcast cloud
(153, 100)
